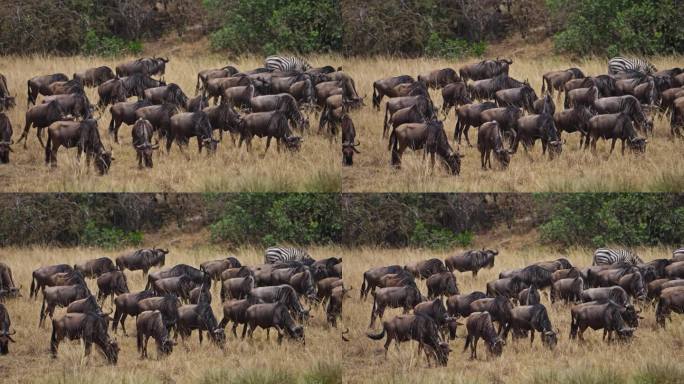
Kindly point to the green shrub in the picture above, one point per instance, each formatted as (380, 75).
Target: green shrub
(108, 45)
(96, 235)
(435, 237)
(453, 48)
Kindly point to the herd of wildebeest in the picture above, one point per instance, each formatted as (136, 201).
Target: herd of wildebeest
(603, 297)
(175, 299)
(272, 103)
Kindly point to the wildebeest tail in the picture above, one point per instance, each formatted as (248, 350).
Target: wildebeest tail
(48, 152)
(376, 102)
(544, 84)
(33, 280)
(574, 325)
(28, 92)
(377, 336)
(42, 310)
(363, 287)
(53, 340)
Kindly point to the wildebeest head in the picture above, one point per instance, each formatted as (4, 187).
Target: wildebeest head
(5, 338)
(550, 338)
(293, 143)
(638, 144)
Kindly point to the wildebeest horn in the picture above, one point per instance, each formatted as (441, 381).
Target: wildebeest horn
(12, 333)
(344, 333)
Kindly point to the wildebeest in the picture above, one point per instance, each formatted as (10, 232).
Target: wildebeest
(490, 138)
(426, 268)
(224, 118)
(235, 311)
(529, 296)
(431, 137)
(89, 304)
(41, 276)
(168, 306)
(195, 275)
(41, 116)
(498, 307)
(89, 327)
(5, 139)
(567, 289)
(128, 304)
(405, 297)
(439, 78)
(142, 259)
(240, 96)
(110, 284)
(507, 117)
(509, 287)
(615, 294)
(422, 329)
(142, 142)
(634, 285)
(270, 125)
(214, 88)
(60, 296)
(436, 310)
(349, 142)
(573, 120)
(75, 104)
(479, 324)
(93, 77)
(185, 125)
(443, 283)
(627, 104)
(469, 115)
(201, 294)
(283, 102)
(534, 274)
(334, 307)
(150, 324)
(384, 86)
(146, 66)
(325, 286)
(654, 288)
(215, 268)
(677, 118)
(236, 288)
(423, 105)
(671, 299)
(372, 276)
(205, 75)
(454, 94)
(136, 84)
(487, 88)
(283, 293)
(523, 97)
(7, 285)
(95, 267)
(675, 270)
(555, 80)
(197, 103)
(615, 126)
(533, 318)
(533, 127)
(565, 273)
(5, 335)
(581, 96)
(170, 93)
(110, 92)
(606, 316)
(39, 85)
(273, 315)
(83, 135)
(485, 69)
(459, 305)
(201, 318)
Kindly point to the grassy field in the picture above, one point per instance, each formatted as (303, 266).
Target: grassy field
(654, 356)
(256, 361)
(317, 167)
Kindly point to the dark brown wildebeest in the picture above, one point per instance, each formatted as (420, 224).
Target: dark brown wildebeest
(372, 276)
(90, 327)
(581, 96)
(479, 324)
(150, 324)
(168, 306)
(634, 285)
(668, 97)
(60, 296)
(110, 284)
(394, 297)
(303, 284)
(236, 288)
(75, 104)
(215, 87)
(110, 92)
(485, 69)
(159, 116)
(565, 274)
(423, 104)
(136, 84)
(539, 105)
(270, 125)
(273, 315)
(429, 136)
(7, 283)
(326, 89)
(534, 274)
(303, 91)
(509, 287)
(7, 101)
(533, 318)
(39, 85)
(412, 89)
(83, 135)
(41, 276)
(325, 286)
(573, 120)
(186, 125)
(555, 80)
(235, 311)
(146, 66)
(675, 270)
(170, 93)
(567, 289)
(230, 273)
(205, 75)
(529, 296)
(420, 328)
(490, 138)
(443, 283)
(436, 310)
(142, 259)
(200, 295)
(627, 104)
(178, 285)
(459, 305)
(439, 78)
(401, 279)
(349, 142)
(5, 335)
(499, 308)
(93, 77)
(95, 267)
(280, 84)
(615, 126)
(5, 138)
(215, 268)
(283, 102)
(533, 127)
(240, 96)
(197, 103)
(426, 268)
(279, 293)
(671, 299)
(654, 288)
(606, 316)
(384, 86)
(506, 117)
(142, 142)
(334, 308)
(615, 293)
(87, 305)
(201, 318)
(677, 118)
(412, 114)
(467, 116)
(523, 97)
(326, 267)
(66, 88)
(657, 266)
(487, 88)
(41, 116)
(454, 94)
(128, 304)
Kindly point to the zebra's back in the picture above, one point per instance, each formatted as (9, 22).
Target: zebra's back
(607, 256)
(621, 64)
(286, 63)
(678, 254)
(275, 255)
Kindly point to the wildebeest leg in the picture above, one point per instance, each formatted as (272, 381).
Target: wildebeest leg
(39, 133)
(482, 160)
(531, 336)
(139, 157)
(244, 330)
(200, 336)
(24, 135)
(488, 158)
(268, 144)
(432, 162)
(169, 142)
(612, 146)
(139, 343)
(473, 347)
(465, 133)
(593, 144)
(268, 333)
(388, 342)
(123, 322)
(252, 327)
(623, 147)
(87, 347)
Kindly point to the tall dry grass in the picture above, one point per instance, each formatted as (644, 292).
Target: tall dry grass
(654, 355)
(248, 361)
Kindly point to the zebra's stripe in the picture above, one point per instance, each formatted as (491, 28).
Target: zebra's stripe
(607, 256)
(622, 64)
(286, 63)
(277, 255)
(678, 252)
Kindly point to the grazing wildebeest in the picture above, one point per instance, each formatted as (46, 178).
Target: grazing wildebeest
(168, 306)
(93, 77)
(41, 116)
(401, 279)
(569, 289)
(509, 287)
(66, 87)
(634, 285)
(459, 305)
(279, 293)
(273, 315)
(236, 288)
(529, 296)
(283, 102)
(215, 268)
(485, 69)
(90, 327)
(507, 118)
(439, 78)
(405, 297)
(83, 135)
(7, 101)
(40, 85)
(224, 118)
(627, 104)
(671, 299)
(5, 138)
(615, 126)
(95, 267)
(533, 127)
(5, 335)
(146, 66)
(124, 113)
(426, 268)
(142, 142)
(349, 142)
(430, 136)
(615, 294)
(75, 104)
(239, 96)
(487, 88)
(41, 276)
(668, 96)
(384, 86)
(534, 274)
(523, 97)
(89, 304)
(170, 93)
(60, 296)
(334, 307)
(270, 125)
(7, 282)
(479, 324)
(565, 273)
(436, 310)
(303, 91)
(150, 324)
(533, 318)
(372, 276)
(230, 273)
(422, 329)
(128, 304)
(195, 275)
(201, 318)
(443, 283)
(423, 104)
(656, 286)
(469, 115)
(573, 120)
(454, 94)
(142, 259)
(675, 270)
(185, 125)
(605, 315)
(498, 307)
(197, 103)
(235, 311)
(412, 114)
(110, 92)
(215, 87)
(555, 80)
(110, 284)
(540, 104)
(136, 84)
(490, 138)
(581, 96)
(205, 75)
(200, 295)
(325, 286)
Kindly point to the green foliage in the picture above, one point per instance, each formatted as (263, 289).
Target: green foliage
(108, 45)
(438, 238)
(613, 27)
(453, 48)
(627, 219)
(96, 235)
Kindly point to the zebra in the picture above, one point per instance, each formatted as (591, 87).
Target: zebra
(276, 255)
(607, 256)
(678, 254)
(621, 64)
(286, 63)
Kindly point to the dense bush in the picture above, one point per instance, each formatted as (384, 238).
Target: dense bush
(108, 45)
(612, 27)
(97, 235)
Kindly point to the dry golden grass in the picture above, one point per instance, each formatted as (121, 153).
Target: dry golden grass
(315, 168)
(653, 351)
(246, 361)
